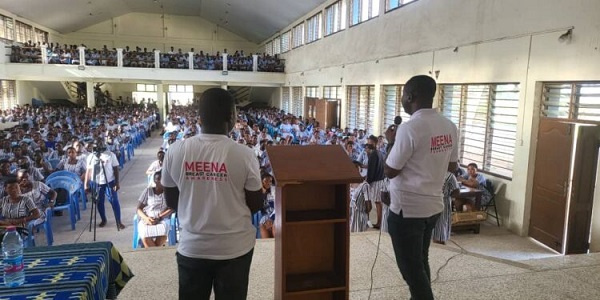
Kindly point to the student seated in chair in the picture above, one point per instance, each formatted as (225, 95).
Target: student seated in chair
(153, 225)
(474, 180)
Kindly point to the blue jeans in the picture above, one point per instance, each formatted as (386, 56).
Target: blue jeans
(114, 201)
(411, 238)
(229, 278)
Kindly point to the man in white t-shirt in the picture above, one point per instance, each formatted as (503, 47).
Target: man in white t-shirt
(422, 151)
(106, 176)
(214, 185)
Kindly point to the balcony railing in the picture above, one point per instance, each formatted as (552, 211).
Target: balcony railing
(144, 59)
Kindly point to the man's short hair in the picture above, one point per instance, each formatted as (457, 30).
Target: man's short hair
(474, 165)
(423, 86)
(373, 138)
(216, 107)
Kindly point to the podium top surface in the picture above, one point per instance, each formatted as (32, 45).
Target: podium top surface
(312, 164)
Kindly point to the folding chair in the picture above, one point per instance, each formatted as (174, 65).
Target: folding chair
(489, 185)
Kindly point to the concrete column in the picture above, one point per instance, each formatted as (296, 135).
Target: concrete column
(44, 50)
(224, 86)
(157, 59)
(120, 57)
(254, 63)
(81, 55)
(191, 60)
(161, 101)
(344, 108)
(91, 97)
(377, 123)
(224, 61)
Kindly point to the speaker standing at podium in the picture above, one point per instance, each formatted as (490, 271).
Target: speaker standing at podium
(422, 152)
(214, 185)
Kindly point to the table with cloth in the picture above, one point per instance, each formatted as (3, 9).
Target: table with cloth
(73, 271)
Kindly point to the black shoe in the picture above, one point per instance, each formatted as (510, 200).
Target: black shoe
(120, 226)
(102, 224)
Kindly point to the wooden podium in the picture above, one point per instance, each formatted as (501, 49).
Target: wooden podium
(312, 236)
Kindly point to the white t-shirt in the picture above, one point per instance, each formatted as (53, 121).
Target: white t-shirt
(109, 160)
(211, 172)
(424, 146)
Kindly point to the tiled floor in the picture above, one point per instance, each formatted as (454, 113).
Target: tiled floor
(494, 264)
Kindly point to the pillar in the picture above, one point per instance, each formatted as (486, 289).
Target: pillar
(120, 57)
(44, 50)
(160, 102)
(254, 63)
(377, 123)
(224, 86)
(91, 97)
(224, 61)
(191, 60)
(157, 60)
(82, 56)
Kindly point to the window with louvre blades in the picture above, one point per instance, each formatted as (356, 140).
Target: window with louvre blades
(332, 92)
(285, 99)
(286, 39)
(24, 32)
(297, 101)
(7, 94)
(313, 30)
(277, 45)
(352, 99)
(42, 36)
(572, 101)
(392, 106)
(298, 35)
(393, 4)
(6, 28)
(335, 17)
(486, 117)
(363, 10)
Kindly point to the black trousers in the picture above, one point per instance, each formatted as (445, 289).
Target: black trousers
(228, 278)
(411, 238)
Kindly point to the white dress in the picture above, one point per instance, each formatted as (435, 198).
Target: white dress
(155, 204)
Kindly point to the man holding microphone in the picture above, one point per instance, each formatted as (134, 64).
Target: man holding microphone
(421, 151)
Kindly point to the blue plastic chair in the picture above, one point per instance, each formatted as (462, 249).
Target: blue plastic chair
(81, 196)
(47, 226)
(171, 235)
(71, 187)
(256, 222)
(130, 152)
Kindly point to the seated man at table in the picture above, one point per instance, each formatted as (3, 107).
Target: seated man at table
(473, 180)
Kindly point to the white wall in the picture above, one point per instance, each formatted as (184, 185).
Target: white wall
(153, 31)
(498, 41)
(26, 90)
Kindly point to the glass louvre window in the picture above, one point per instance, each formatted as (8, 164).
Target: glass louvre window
(140, 87)
(332, 92)
(286, 40)
(6, 28)
(285, 99)
(312, 91)
(391, 4)
(24, 32)
(8, 99)
(573, 101)
(297, 101)
(313, 30)
(298, 35)
(41, 36)
(335, 17)
(277, 46)
(269, 48)
(363, 10)
(181, 88)
(361, 112)
(502, 130)
(486, 117)
(392, 105)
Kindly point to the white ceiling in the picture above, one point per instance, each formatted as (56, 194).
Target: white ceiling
(255, 20)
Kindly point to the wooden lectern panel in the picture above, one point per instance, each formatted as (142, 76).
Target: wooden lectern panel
(324, 164)
(312, 234)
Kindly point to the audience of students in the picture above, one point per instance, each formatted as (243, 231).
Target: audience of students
(143, 58)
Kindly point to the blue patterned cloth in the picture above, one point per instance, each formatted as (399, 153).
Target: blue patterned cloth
(75, 271)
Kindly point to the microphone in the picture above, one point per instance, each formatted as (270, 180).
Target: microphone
(398, 120)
